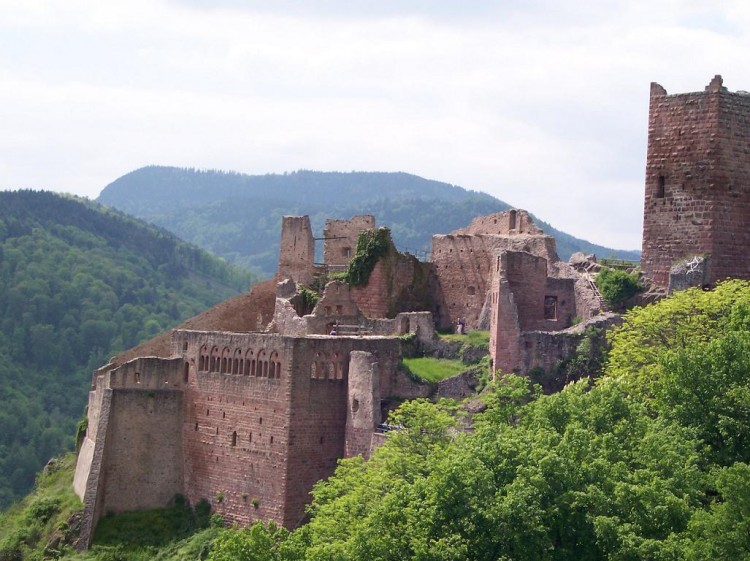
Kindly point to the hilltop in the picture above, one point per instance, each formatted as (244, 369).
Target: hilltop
(236, 216)
(78, 283)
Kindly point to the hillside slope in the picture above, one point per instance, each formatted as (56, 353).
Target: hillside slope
(78, 283)
(237, 216)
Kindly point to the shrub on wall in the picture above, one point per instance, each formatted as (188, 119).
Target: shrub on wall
(617, 286)
(371, 246)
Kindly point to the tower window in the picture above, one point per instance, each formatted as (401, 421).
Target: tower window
(660, 187)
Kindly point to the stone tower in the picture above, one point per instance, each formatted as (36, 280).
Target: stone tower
(297, 250)
(697, 199)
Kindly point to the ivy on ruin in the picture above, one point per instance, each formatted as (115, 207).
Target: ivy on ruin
(371, 246)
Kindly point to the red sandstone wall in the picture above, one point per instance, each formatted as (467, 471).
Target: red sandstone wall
(392, 277)
(290, 427)
(698, 147)
(243, 476)
(142, 464)
(341, 238)
(464, 264)
(297, 250)
(730, 254)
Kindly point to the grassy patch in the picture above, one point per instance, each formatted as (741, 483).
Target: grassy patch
(475, 338)
(154, 527)
(431, 369)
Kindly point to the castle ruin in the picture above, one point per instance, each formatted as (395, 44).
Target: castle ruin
(252, 402)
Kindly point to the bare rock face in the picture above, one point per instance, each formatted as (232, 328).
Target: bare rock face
(584, 263)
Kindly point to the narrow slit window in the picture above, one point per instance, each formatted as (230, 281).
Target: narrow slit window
(550, 307)
(660, 187)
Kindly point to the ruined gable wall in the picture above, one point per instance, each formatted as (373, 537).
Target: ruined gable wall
(297, 250)
(341, 239)
(464, 263)
(510, 222)
(236, 422)
(520, 293)
(697, 171)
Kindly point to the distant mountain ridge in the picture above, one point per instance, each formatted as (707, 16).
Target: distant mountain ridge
(238, 216)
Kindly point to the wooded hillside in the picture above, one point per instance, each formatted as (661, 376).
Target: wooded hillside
(78, 283)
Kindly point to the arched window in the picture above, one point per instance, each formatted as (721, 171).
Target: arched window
(215, 365)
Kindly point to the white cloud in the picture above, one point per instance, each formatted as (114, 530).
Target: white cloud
(543, 105)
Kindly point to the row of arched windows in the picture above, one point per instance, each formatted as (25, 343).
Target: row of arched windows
(262, 364)
(325, 367)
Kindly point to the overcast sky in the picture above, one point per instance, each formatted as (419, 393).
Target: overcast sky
(541, 103)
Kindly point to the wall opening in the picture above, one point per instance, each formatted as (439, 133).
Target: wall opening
(186, 373)
(550, 307)
(234, 438)
(660, 187)
(512, 220)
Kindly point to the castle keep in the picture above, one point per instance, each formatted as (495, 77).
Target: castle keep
(697, 201)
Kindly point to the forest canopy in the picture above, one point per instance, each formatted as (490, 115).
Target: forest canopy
(650, 462)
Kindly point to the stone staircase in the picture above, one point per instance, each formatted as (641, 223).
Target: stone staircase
(603, 306)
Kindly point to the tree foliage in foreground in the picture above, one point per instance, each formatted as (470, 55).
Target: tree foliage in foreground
(649, 463)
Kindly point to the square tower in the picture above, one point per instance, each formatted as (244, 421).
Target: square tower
(697, 182)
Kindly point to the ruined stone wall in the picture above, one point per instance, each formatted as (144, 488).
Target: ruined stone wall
(510, 222)
(297, 250)
(505, 330)
(341, 239)
(464, 264)
(524, 298)
(546, 350)
(142, 465)
(363, 403)
(697, 199)
(318, 405)
(398, 283)
(131, 456)
(236, 422)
